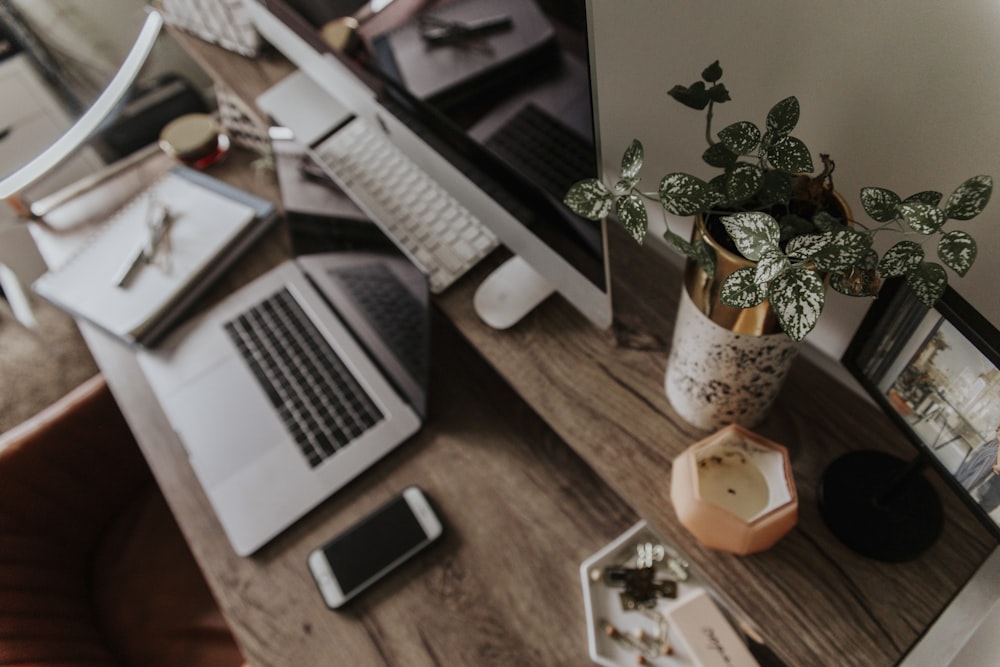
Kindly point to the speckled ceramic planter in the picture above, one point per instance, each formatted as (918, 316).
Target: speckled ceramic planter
(716, 376)
(726, 364)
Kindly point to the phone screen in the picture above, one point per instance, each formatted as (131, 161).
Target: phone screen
(374, 544)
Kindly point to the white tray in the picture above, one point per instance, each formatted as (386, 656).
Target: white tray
(603, 606)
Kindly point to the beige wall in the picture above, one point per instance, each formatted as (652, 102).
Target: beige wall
(903, 93)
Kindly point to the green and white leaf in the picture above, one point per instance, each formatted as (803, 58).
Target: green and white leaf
(695, 96)
(632, 160)
(683, 194)
(901, 259)
(741, 289)
(678, 243)
(624, 186)
(712, 73)
(922, 218)
(717, 186)
(793, 226)
(880, 204)
(590, 199)
(928, 281)
(716, 192)
(957, 250)
(797, 298)
(704, 255)
(928, 197)
(827, 222)
(845, 249)
(791, 155)
(753, 232)
(631, 212)
(770, 265)
(861, 280)
(969, 199)
(870, 261)
(743, 181)
(808, 245)
(742, 138)
(717, 155)
(783, 117)
(718, 93)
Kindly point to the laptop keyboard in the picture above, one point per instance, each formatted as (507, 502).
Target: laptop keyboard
(436, 231)
(399, 318)
(544, 150)
(317, 398)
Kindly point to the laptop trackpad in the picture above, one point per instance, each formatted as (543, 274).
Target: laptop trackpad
(224, 420)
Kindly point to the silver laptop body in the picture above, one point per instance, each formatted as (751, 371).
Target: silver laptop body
(260, 474)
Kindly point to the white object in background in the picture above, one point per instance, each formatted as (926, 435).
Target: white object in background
(32, 117)
(223, 22)
(510, 293)
(712, 642)
(18, 251)
(92, 119)
(967, 633)
(16, 297)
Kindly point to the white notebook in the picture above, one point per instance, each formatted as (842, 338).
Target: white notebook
(211, 223)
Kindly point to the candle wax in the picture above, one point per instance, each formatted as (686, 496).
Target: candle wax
(734, 484)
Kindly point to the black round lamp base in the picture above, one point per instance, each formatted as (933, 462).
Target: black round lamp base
(876, 510)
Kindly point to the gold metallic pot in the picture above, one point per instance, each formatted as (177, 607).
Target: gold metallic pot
(704, 289)
(727, 365)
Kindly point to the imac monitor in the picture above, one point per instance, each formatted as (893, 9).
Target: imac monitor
(936, 373)
(493, 100)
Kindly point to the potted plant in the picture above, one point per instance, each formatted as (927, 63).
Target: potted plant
(769, 236)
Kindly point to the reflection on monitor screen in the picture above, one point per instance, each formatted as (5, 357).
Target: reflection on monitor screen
(936, 373)
(501, 91)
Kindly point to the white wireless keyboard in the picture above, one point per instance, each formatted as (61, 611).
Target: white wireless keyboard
(437, 232)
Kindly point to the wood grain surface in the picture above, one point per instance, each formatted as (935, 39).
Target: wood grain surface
(521, 512)
(814, 600)
(546, 441)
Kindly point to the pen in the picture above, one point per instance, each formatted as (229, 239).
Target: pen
(156, 224)
(128, 268)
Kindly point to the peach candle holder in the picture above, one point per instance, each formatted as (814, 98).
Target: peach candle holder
(734, 491)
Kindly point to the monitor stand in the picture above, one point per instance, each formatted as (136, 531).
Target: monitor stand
(880, 506)
(510, 293)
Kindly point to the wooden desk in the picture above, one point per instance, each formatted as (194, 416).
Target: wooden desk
(545, 442)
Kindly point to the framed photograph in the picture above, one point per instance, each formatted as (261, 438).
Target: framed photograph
(936, 372)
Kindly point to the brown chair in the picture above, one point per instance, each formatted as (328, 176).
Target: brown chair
(93, 568)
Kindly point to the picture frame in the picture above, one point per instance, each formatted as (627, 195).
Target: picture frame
(936, 373)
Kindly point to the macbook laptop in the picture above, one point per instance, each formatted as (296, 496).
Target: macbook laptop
(292, 386)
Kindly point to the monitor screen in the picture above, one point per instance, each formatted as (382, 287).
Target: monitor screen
(502, 91)
(936, 373)
(520, 91)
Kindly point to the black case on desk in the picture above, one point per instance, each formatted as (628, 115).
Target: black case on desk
(448, 74)
(149, 108)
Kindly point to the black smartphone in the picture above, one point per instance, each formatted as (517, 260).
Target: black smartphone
(374, 546)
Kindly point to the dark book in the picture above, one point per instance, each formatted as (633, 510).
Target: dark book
(453, 52)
